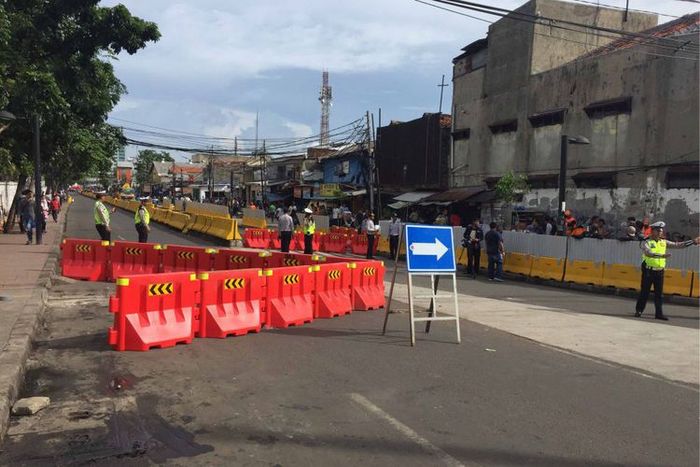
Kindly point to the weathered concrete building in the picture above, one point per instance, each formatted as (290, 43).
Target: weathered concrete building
(636, 98)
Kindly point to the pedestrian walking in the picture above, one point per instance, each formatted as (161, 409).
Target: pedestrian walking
(101, 214)
(653, 264)
(44, 213)
(286, 227)
(473, 235)
(372, 231)
(394, 232)
(142, 220)
(495, 252)
(27, 214)
(55, 207)
(309, 230)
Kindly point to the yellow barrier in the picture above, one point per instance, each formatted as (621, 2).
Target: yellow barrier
(584, 272)
(383, 245)
(678, 282)
(200, 224)
(178, 220)
(223, 228)
(258, 223)
(518, 263)
(622, 276)
(695, 291)
(544, 267)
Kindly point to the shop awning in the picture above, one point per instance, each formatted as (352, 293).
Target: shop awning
(453, 196)
(414, 196)
(398, 205)
(488, 196)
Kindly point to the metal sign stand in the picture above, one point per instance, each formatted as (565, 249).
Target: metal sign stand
(433, 316)
(434, 296)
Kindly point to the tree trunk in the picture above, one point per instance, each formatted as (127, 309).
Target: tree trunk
(15, 202)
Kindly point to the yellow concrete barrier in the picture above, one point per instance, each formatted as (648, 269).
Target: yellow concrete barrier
(695, 290)
(678, 282)
(518, 263)
(584, 272)
(222, 228)
(178, 220)
(622, 276)
(383, 245)
(544, 267)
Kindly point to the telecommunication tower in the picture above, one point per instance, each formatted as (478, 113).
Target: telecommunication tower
(326, 96)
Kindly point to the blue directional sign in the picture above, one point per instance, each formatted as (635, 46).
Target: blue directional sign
(430, 248)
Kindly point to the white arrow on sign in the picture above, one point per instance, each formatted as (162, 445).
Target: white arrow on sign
(437, 249)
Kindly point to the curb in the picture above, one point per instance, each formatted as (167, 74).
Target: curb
(13, 359)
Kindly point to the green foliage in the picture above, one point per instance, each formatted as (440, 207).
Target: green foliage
(511, 186)
(144, 160)
(53, 62)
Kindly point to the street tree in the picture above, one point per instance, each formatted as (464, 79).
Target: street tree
(55, 62)
(144, 159)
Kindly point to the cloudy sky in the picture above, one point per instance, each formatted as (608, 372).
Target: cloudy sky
(221, 61)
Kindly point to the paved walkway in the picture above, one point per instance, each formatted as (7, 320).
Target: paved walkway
(647, 345)
(20, 269)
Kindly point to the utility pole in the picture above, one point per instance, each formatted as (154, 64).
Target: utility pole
(442, 87)
(627, 9)
(211, 175)
(38, 212)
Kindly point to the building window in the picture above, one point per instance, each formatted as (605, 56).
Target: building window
(599, 180)
(683, 177)
(552, 117)
(461, 134)
(610, 107)
(507, 126)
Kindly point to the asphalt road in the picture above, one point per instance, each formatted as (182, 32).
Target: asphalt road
(335, 392)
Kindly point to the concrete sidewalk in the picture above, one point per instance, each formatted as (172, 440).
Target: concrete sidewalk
(647, 346)
(25, 276)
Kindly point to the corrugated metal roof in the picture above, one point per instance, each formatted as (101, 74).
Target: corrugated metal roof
(456, 194)
(414, 196)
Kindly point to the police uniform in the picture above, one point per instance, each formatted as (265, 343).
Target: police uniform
(309, 230)
(101, 215)
(653, 265)
(142, 220)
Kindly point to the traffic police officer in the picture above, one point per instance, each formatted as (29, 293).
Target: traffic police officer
(309, 229)
(653, 264)
(142, 219)
(101, 215)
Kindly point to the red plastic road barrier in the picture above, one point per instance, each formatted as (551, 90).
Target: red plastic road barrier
(275, 241)
(128, 258)
(333, 290)
(359, 244)
(335, 243)
(289, 296)
(368, 285)
(256, 238)
(187, 258)
(154, 311)
(298, 241)
(230, 303)
(85, 259)
(239, 259)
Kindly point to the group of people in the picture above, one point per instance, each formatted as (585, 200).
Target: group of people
(50, 206)
(102, 217)
(495, 250)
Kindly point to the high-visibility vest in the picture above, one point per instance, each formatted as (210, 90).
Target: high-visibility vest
(101, 208)
(309, 227)
(658, 247)
(146, 216)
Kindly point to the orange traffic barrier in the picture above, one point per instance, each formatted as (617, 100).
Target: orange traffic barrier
(333, 292)
(584, 272)
(127, 258)
(187, 258)
(298, 241)
(678, 282)
(256, 238)
(85, 259)
(281, 260)
(367, 285)
(518, 263)
(154, 311)
(239, 259)
(289, 300)
(335, 242)
(275, 241)
(359, 244)
(545, 267)
(230, 303)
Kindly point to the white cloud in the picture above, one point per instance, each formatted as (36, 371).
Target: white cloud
(299, 130)
(233, 123)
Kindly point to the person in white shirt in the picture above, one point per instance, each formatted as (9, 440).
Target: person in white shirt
(286, 227)
(335, 216)
(394, 232)
(371, 230)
